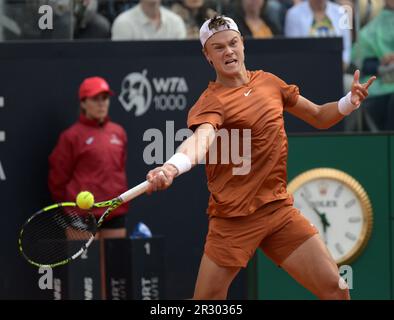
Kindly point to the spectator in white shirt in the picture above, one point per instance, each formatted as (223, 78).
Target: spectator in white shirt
(148, 20)
(319, 18)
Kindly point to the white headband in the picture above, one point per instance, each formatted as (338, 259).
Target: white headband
(206, 33)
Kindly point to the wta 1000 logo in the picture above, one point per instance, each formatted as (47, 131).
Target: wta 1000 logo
(138, 93)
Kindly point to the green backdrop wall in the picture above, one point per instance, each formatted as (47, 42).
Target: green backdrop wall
(368, 159)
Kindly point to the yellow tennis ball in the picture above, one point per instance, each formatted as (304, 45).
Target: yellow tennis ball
(85, 200)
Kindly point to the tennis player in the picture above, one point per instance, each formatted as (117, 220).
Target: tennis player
(254, 210)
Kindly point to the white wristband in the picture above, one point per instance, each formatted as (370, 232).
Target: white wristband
(345, 105)
(180, 161)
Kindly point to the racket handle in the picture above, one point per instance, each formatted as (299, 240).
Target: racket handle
(134, 192)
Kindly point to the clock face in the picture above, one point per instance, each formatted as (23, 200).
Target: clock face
(338, 207)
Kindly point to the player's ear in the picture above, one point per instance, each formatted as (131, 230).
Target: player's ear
(207, 56)
(204, 52)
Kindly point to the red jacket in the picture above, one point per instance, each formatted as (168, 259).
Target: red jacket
(90, 157)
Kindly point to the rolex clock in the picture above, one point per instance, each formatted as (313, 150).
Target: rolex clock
(338, 206)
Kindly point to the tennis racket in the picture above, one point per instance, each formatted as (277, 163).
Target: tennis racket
(42, 239)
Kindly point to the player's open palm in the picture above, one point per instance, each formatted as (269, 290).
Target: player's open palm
(360, 90)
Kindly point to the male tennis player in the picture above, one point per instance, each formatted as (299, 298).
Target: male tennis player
(254, 210)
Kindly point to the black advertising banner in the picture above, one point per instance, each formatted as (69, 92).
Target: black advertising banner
(135, 269)
(80, 280)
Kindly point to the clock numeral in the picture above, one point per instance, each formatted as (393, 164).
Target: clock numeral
(354, 219)
(350, 236)
(350, 203)
(339, 248)
(338, 191)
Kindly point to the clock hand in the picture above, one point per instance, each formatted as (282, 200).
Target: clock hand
(313, 207)
(322, 216)
(324, 220)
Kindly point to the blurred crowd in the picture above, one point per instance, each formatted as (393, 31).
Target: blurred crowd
(177, 19)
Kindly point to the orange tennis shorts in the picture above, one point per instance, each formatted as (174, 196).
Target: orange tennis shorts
(277, 229)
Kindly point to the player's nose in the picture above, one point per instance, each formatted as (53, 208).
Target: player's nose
(228, 51)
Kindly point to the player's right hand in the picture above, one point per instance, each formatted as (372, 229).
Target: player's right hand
(161, 178)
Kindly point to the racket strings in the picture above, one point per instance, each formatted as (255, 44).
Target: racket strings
(46, 237)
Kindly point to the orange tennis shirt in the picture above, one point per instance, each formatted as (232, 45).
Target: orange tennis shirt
(258, 106)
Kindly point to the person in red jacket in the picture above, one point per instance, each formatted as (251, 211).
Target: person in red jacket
(91, 155)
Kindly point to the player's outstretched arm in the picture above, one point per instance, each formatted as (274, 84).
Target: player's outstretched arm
(191, 152)
(326, 115)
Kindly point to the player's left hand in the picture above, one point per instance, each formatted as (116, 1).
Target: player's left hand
(360, 90)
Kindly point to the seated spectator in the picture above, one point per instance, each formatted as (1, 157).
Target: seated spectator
(373, 53)
(252, 19)
(89, 24)
(148, 20)
(194, 13)
(318, 18)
